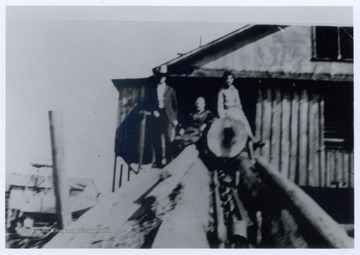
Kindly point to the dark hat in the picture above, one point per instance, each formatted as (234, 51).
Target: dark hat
(227, 137)
(161, 71)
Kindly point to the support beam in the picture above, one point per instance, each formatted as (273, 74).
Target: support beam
(60, 180)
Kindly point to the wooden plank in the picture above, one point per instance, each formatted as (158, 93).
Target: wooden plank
(322, 161)
(173, 233)
(276, 130)
(351, 170)
(303, 139)
(330, 170)
(119, 111)
(337, 167)
(340, 169)
(326, 172)
(345, 169)
(114, 209)
(258, 120)
(310, 145)
(266, 124)
(285, 134)
(333, 168)
(313, 165)
(294, 145)
(317, 145)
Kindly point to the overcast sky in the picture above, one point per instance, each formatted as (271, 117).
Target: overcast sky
(63, 58)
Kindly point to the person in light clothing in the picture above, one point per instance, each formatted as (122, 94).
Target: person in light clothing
(229, 105)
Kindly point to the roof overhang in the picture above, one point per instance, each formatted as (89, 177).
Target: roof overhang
(196, 58)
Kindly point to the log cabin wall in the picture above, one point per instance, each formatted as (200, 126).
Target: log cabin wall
(290, 119)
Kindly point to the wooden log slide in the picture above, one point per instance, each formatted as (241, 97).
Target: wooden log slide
(160, 208)
(289, 217)
(180, 207)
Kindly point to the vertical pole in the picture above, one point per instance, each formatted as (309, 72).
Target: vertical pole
(142, 128)
(142, 137)
(60, 184)
(141, 140)
(114, 174)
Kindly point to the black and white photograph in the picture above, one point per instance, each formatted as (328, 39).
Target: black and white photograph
(211, 127)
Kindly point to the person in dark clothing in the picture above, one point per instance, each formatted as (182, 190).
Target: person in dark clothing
(199, 119)
(162, 104)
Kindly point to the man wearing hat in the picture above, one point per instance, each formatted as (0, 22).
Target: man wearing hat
(163, 107)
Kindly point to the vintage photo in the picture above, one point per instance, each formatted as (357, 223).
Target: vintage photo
(179, 127)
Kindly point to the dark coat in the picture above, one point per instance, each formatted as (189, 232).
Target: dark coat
(170, 101)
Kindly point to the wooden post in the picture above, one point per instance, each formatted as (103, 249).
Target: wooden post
(142, 137)
(60, 183)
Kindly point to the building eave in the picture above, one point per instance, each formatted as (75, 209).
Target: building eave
(196, 58)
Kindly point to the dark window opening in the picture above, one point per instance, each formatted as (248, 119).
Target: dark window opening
(339, 121)
(333, 43)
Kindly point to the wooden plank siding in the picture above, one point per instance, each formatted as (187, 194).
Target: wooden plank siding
(322, 162)
(275, 133)
(285, 134)
(303, 137)
(291, 123)
(294, 145)
(266, 122)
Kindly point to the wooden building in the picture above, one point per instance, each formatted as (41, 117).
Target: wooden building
(296, 88)
(32, 195)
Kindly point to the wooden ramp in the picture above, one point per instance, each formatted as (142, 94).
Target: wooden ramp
(169, 208)
(143, 216)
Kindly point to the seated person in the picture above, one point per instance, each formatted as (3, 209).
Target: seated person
(198, 121)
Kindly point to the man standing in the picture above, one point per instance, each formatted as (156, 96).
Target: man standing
(163, 107)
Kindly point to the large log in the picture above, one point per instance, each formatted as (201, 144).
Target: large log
(290, 217)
